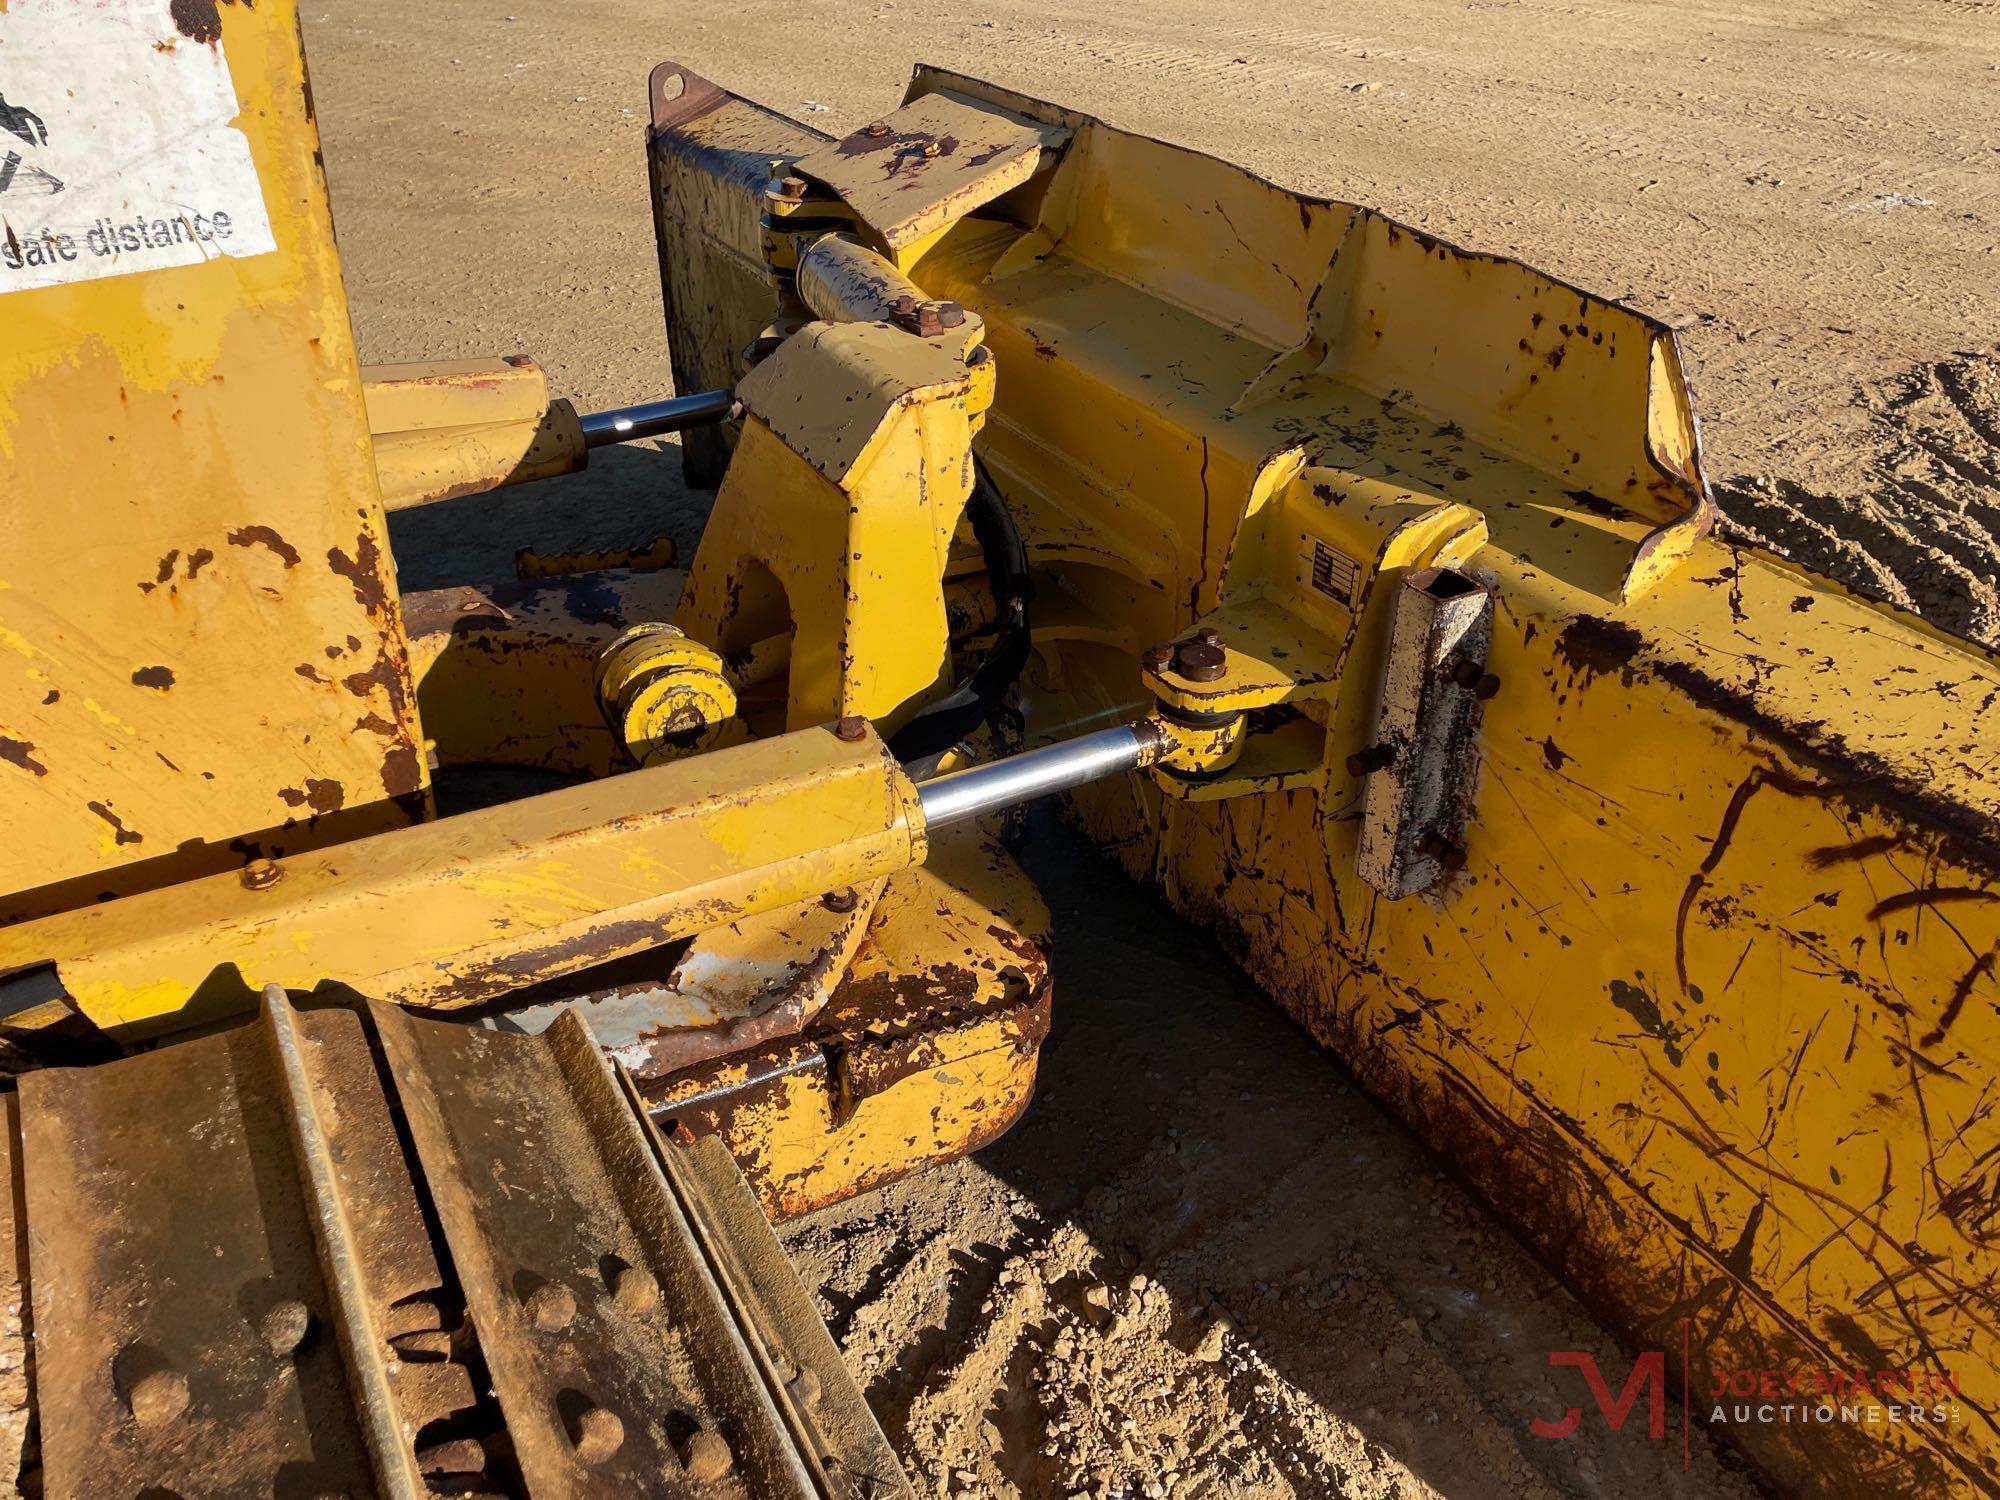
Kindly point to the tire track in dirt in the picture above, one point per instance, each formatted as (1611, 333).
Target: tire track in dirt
(1930, 541)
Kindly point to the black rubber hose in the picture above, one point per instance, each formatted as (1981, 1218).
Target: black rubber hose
(940, 725)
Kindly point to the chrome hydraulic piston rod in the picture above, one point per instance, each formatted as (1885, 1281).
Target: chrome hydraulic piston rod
(978, 790)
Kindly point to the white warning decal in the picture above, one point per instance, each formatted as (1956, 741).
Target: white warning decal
(117, 151)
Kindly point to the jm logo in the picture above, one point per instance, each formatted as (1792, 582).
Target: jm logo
(1649, 1374)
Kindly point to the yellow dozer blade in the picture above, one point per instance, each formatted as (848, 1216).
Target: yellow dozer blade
(1649, 877)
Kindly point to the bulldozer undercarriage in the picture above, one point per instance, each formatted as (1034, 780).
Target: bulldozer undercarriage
(1362, 592)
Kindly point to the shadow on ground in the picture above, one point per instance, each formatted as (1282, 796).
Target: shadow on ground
(630, 494)
(1319, 1309)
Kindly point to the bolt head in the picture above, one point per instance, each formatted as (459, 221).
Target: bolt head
(1158, 658)
(596, 1434)
(877, 128)
(158, 1397)
(551, 1307)
(1198, 661)
(792, 187)
(635, 1291)
(1367, 762)
(852, 728)
(1208, 635)
(262, 874)
(1449, 856)
(704, 1455)
(284, 1325)
(841, 901)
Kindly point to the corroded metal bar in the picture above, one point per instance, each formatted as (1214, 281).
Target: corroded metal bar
(1426, 722)
(612, 1351)
(810, 1386)
(340, 1258)
(170, 1268)
(843, 281)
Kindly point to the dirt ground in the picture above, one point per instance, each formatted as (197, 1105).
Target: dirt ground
(1205, 1264)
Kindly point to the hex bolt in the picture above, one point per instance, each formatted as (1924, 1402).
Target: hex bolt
(1208, 635)
(925, 319)
(877, 128)
(1158, 658)
(804, 1387)
(852, 728)
(841, 901)
(157, 1396)
(793, 188)
(284, 1325)
(453, 1456)
(1198, 661)
(1475, 679)
(596, 1434)
(262, 874)
(1448, 855)
(551, 1307)
(949, 314)
(704, 1455)
(931, 148)
(634, 1291)
(1367, 762)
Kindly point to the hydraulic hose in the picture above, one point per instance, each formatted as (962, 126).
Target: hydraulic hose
(940, 725)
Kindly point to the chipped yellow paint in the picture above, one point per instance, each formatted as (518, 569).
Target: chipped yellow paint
(927, 1048)
(445, 429)
(835, 521)
(459, 911)
(199, 540)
